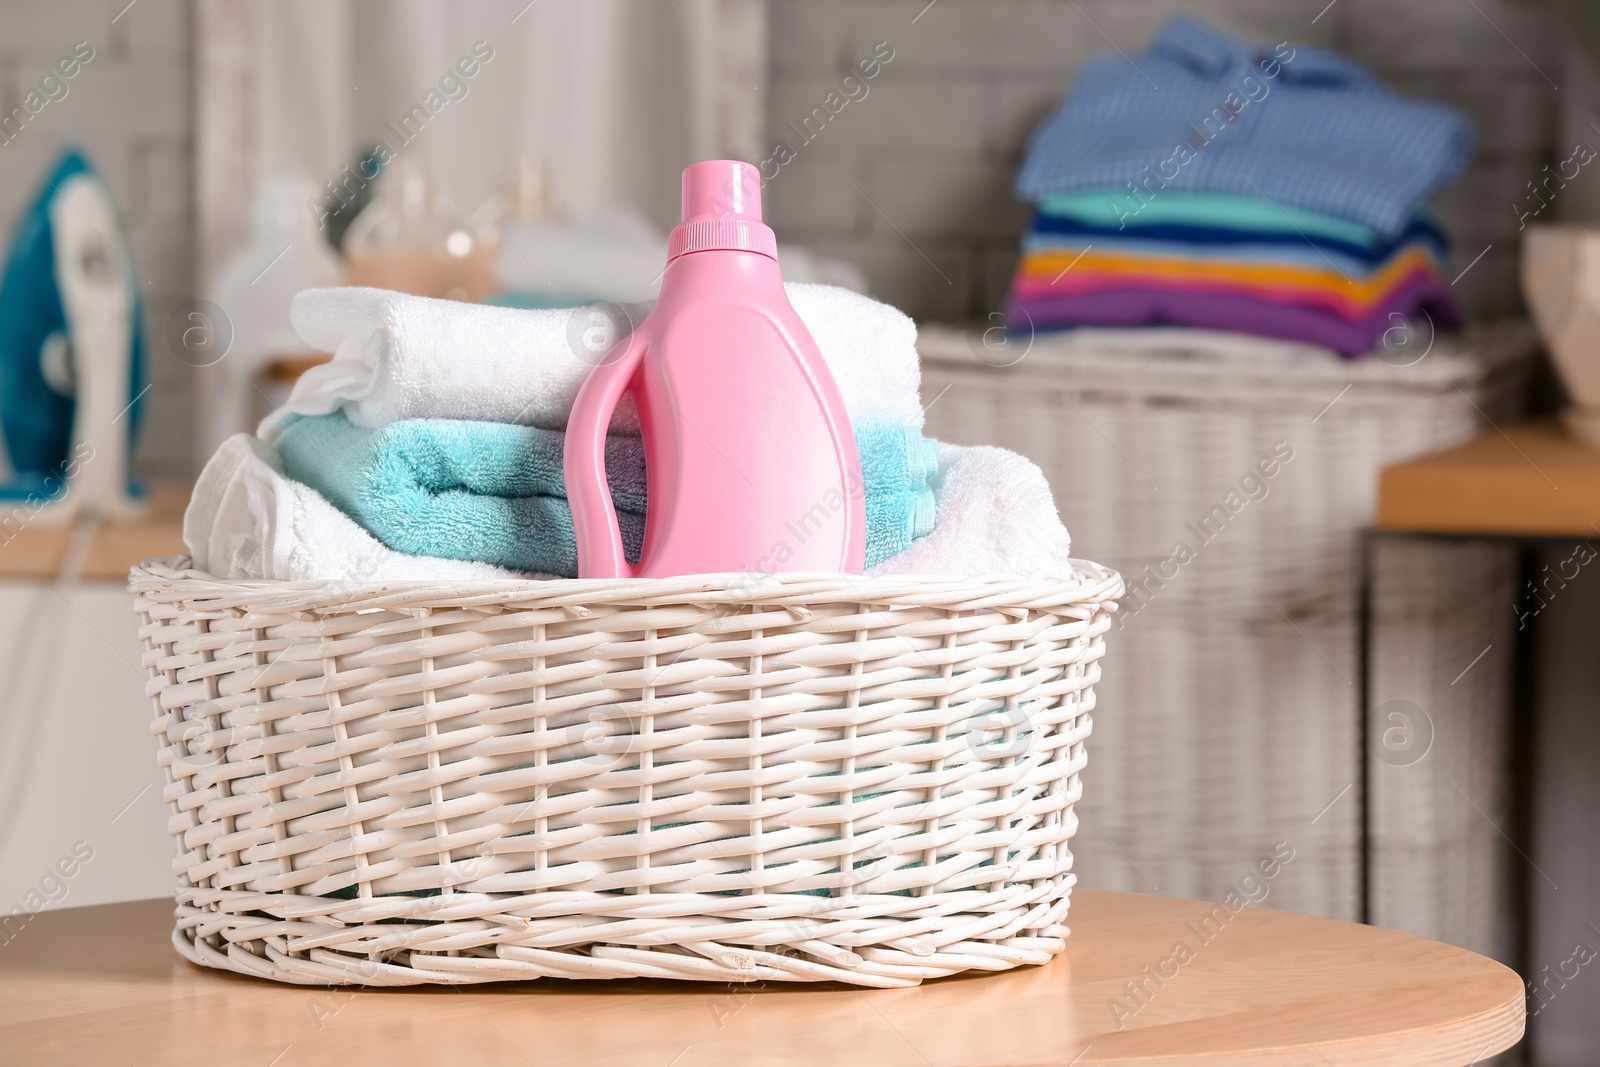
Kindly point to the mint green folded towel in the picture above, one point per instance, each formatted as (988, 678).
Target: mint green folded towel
(494, 492)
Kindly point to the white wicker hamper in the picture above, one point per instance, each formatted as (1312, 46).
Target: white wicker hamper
(1237, 674)
(802, 778)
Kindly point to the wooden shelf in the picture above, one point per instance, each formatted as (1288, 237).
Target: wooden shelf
(38, 550)
(1524, 480)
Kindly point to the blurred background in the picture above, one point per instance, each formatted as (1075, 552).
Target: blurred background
(1380, 660)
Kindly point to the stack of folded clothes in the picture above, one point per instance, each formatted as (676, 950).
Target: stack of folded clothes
(430, 447)
(1210, 182)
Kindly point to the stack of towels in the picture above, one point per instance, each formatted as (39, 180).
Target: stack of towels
(430, 448)
(1206, 181)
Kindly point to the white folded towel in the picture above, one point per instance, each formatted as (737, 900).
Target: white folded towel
(995, 515)
(246, 520)
(405, 357)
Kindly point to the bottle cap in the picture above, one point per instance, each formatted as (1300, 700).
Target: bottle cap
(722, 209)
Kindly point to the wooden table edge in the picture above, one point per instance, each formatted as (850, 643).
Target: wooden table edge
(1458, 1041)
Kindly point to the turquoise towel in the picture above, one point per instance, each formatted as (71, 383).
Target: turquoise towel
(495, 493)
(897, 468)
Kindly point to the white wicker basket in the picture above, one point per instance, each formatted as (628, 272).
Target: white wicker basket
(802, 778)
(1237, 674)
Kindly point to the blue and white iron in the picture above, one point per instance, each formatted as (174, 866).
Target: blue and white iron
(72, 369)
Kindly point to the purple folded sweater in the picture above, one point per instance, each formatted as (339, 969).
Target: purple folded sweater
(1141, 306)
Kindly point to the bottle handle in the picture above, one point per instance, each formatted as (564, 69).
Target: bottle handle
(594, 517)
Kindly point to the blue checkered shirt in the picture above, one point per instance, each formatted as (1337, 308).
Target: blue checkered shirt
(1202, 111)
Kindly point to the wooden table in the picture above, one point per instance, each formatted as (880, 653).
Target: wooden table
(1525, 480)
(103, 985)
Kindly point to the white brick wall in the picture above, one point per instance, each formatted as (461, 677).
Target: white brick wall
(936, 142)
(931, 150)
(129, 108)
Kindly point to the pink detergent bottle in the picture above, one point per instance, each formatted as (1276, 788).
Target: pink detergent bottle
(751, 462)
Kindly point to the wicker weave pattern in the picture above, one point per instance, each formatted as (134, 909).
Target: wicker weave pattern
(1235, 681)
(800, 778)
